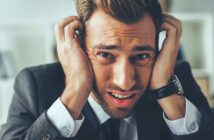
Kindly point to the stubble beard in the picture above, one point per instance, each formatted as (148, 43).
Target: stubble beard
(119, 113)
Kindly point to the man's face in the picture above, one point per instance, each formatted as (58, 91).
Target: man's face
(122, 56)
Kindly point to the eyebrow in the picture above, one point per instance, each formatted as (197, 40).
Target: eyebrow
(114, 47)
(106, 47)
(143, 48)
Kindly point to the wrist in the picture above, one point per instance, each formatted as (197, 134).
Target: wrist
(170, 98)
(74, 100)
(174, 106)
(78, 84)
(157, 85)
(173, 86)
(159, 82)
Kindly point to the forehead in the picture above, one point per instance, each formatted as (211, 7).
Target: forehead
(102, 28)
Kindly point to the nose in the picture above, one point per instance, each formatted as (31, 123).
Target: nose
(124, 75)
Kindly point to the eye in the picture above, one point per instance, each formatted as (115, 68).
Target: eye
(105, 57)
(142, 59)
(142, 56)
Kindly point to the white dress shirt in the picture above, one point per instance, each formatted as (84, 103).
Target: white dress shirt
(63, 121)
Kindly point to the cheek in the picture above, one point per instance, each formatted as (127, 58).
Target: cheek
(102, 74)
(144, 75)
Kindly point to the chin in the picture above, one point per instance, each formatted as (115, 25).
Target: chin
(117, 113)
(120, 113)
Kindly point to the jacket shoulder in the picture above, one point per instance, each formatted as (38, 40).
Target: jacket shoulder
(44, 82)
(46, 68)
(44, 73)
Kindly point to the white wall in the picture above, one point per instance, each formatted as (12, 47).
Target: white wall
(30, 16)
(35, 10)
(34, 30)
(193, 5)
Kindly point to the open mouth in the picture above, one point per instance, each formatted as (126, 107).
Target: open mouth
(121, 100)
(121, 97)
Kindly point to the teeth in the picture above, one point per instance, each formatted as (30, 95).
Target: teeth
(121, 96)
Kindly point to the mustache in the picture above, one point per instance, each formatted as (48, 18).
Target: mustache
(134, 88)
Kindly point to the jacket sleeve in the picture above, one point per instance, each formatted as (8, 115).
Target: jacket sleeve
(193, 92)
(24, 121)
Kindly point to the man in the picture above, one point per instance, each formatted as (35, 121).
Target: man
(111, 73)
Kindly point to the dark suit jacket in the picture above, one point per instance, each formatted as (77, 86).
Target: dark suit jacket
(38, 87)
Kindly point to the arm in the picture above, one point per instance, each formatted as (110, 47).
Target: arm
(76, 66)
(194, 94)
(68, 127)
(174, 106)
(24, 120)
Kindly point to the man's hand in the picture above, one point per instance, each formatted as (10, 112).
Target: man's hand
(76, 65)
(173, 106)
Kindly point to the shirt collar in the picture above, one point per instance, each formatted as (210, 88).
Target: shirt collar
(103, 116)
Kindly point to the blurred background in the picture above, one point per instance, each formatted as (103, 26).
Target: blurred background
(27, 39)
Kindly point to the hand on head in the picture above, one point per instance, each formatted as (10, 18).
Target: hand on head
(75, 63)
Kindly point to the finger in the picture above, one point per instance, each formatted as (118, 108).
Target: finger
(174, 22)
(171, 43)
(171, 30)
(70, 32)
(59, 27)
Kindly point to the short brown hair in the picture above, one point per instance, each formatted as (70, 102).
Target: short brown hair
(127, 11)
